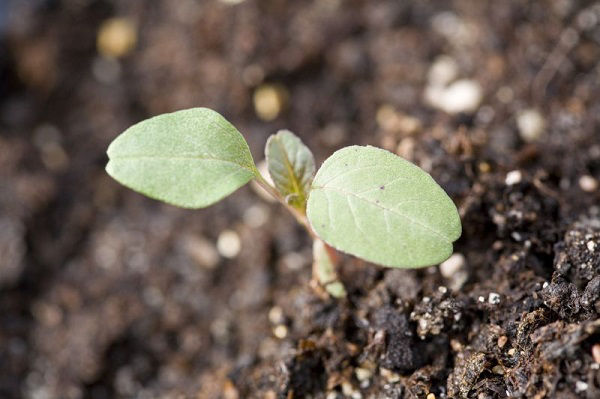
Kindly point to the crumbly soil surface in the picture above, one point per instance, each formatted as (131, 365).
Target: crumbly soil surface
(107, 294)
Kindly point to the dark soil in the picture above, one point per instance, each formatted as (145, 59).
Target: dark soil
(107, 294)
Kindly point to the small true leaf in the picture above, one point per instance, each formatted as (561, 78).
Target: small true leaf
(375, 205)
(190, 158)
(291, 166)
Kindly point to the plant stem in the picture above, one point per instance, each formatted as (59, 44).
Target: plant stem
(300, 216)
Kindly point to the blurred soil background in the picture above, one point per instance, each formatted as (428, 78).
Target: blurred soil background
(107, 294)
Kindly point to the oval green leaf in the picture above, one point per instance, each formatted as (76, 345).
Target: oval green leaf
(375, 205)
(291, 166)
(190, 158)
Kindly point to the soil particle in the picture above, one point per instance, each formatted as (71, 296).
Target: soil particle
(467, 369)
(438, 313)
(562, 297)
(401, 352)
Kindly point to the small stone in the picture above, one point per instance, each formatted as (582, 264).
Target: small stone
(581, 386)
(484, 167)
(531, 125)
(116, 37)
(513, 177)
(588, 184)
(443, 71)
(389, 375)
(452, 265)
(464, 95)
(497, 369)
(454, 271)
(280, 331)
(269, 101)
(362, 374)
(512, 351)
(229, 244)
(591, 246)
(502, 340)
(494, 298)
(276, 315)
(430, 396)
(349, 390)
(202, 251)
(596, 353)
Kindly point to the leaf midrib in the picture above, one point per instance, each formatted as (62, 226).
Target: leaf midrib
(426, 227)
(290, 170)
(180, 158)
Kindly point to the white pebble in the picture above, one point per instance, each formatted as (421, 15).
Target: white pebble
(453, 264)
(591, 246)
(464, 95)
(443, 71)
(531, 125)
(229, 244)
(494, 298)
(581, 386)
(587, 183)
(513, 177)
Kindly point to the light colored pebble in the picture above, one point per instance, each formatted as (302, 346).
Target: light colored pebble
(280, 331)
(202, 251)
(229, 244)
(443, 71)
(269, 101)
(389, 375)
(276, 315)
(531, 125)
(502, 340)
(591, 246)
(452, 265)
(493, 298)
(454, 271)
(116, 37)
(581, 386)
(464, 95)
(513, 177)
(363, 374)
(588, 183)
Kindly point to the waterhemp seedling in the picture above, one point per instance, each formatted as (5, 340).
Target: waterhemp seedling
(364, 201)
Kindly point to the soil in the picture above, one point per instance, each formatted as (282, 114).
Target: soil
(107, 294)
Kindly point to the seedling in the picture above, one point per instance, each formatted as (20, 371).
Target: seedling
(364, 201)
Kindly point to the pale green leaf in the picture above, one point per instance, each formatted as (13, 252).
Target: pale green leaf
(190, 158)
(375, 205)
(291, 166)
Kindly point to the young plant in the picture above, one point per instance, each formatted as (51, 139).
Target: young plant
(364, 201)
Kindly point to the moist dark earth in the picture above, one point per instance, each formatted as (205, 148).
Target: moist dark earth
(107, 294)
